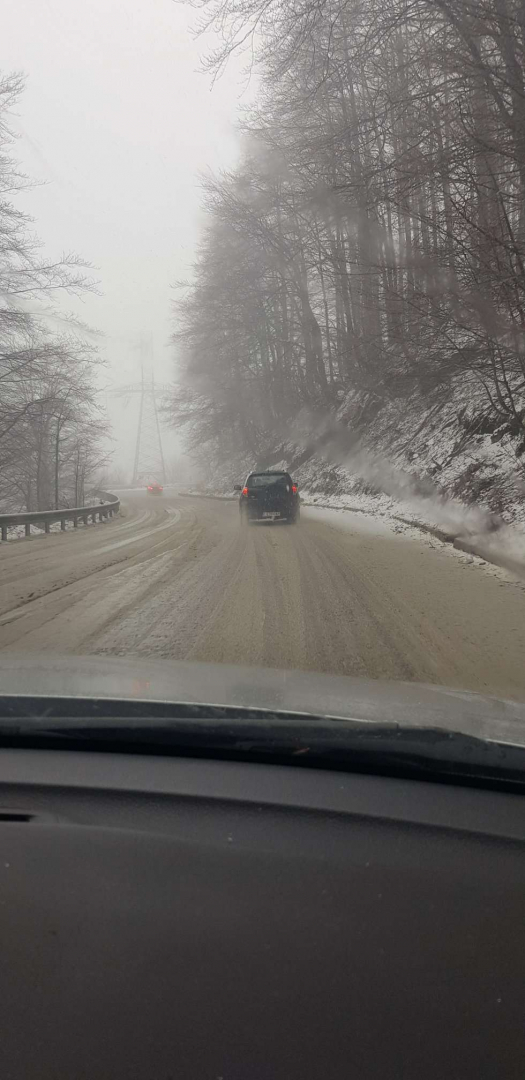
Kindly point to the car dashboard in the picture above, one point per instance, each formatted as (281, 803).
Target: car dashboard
(176, 917)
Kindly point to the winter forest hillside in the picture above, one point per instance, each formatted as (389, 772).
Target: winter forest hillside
(51, 428)
(364, 263)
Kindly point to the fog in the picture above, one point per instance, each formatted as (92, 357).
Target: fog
(114, 126)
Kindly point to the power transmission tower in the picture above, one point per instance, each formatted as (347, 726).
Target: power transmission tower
(149, 456)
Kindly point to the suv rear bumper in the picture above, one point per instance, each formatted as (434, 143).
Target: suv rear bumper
(278, 514)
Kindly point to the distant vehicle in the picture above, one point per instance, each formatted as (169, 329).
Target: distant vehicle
(155, 489)
(271, 495)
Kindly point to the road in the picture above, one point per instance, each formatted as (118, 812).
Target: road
(180, 578)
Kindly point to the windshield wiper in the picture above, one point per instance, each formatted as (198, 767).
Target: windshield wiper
(237, 733)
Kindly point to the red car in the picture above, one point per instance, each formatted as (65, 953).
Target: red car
(155, 489)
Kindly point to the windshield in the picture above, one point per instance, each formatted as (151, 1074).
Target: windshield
(285, 244)
(266, 480)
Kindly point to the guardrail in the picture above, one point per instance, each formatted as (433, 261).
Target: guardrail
(110, 506)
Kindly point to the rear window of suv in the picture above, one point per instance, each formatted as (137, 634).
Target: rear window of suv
(265, 479)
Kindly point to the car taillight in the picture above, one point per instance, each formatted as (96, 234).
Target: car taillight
(294, 489)
(245, 491)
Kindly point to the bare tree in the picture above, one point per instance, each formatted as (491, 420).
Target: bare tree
(369, 250)
(47, 397)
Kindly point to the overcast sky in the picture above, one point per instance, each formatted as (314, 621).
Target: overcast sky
(118, 121)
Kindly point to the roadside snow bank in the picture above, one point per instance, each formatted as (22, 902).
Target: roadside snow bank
(470, 528)
(405, 500)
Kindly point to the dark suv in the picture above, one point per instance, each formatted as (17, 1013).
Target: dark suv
(271, 495)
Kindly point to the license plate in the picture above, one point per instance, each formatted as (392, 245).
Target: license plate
(269, 513)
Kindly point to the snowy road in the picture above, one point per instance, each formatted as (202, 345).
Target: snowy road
(179, 578)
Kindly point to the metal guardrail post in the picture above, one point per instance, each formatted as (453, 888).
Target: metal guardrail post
(45, 518)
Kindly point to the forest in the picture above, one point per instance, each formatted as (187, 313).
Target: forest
(51, 427)
(365, 260)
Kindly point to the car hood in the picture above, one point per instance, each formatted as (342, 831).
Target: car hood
(364, 700)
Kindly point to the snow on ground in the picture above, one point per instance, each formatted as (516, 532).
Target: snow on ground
(356, 518)
(430, 514)
(379, 506)
(454, 446)
(17, 532)
(363, 520)
(445, 518)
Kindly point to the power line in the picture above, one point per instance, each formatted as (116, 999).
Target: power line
(149, 461)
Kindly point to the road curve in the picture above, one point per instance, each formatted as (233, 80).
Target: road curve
(181, 578)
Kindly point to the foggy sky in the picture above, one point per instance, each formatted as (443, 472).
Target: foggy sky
(117, 121)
